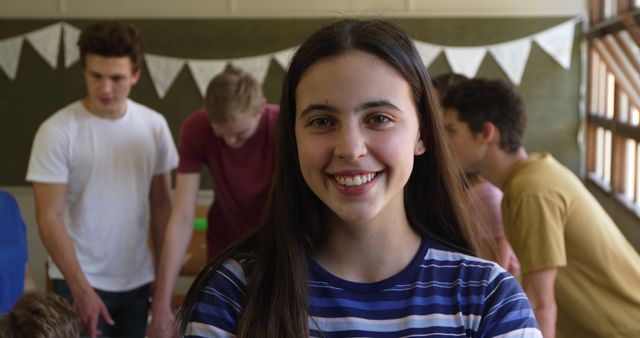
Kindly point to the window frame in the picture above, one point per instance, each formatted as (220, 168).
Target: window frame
(614, 52)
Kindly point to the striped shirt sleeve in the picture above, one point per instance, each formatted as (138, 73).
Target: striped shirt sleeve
(218, 306)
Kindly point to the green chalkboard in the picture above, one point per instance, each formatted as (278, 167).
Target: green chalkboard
(551, 92)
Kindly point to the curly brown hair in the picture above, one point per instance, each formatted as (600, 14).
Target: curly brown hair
(112, 39)
(40, 315)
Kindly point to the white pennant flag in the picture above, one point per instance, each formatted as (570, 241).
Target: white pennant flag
(465, 60)
(71, 50)
(428, 52)
(283, 57)
(558, 42)
(46, 42)
(512, 57)
(257, 66)
(204, 70)
(163, 71)
(9, 55)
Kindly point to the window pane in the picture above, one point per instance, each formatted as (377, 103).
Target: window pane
(623, 107)
(602, 90)
(635, 116)
(611, 94)
(607, 156)
(637, 175)
(599, 151)
(609, 8)
(630, 169)
(595, 69)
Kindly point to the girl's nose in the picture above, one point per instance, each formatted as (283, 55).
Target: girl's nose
(350, 143)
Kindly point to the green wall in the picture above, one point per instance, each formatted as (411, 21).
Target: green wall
(551, 92)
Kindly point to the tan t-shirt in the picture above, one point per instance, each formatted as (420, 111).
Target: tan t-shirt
(552, 220)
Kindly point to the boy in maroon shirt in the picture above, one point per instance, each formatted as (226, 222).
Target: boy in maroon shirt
(233, 135)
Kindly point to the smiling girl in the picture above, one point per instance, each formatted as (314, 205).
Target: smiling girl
(364, 234)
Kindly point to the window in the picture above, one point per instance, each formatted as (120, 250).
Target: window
(613, 124)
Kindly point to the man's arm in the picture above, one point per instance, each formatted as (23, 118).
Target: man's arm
(50, 206)
(539, 286)
(160, 206)
(29, 284)
(177, 237)
(506, 257)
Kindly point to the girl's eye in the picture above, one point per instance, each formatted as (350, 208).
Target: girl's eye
(379, 119)
(320, 122)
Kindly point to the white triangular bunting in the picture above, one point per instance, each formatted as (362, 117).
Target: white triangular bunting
(512, 57)
(558, 42)
(428, 52)
(283, 57)
(71, 50)
(465, 60)
(163, 71)
(257, 66)
(46, 42)
(204, 70)
(10, 55)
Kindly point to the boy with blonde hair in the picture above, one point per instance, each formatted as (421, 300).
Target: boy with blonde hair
(233, 135)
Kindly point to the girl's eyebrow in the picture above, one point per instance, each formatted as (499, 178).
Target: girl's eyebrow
(364, 106)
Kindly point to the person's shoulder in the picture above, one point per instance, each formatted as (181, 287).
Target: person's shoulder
(6, 197)
(197, 118)
(272, 111)
(539, 175)
(272, 108)
(443, 252)
(485, 190)
(63, 121)
(235, 269)
(447, 258)
(145, 111)
(65, 115)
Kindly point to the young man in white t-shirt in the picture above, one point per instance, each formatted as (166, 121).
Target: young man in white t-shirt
(100, 171)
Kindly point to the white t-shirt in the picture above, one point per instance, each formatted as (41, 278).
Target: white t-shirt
(108, 166)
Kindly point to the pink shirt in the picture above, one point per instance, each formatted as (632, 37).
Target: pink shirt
(486, 199)
(241, 176)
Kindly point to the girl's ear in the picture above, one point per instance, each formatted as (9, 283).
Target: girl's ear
(420, 148)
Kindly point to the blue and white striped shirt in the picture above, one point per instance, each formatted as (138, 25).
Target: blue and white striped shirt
(441, 293)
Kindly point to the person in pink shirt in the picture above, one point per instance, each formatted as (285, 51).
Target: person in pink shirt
(233, 135)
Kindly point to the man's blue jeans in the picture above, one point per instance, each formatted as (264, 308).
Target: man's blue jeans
(128, 309)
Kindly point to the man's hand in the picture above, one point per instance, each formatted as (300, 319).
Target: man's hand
(162, 323)
(89, 308)
(514, 265)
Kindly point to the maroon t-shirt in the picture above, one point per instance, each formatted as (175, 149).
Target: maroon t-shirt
(241, 176)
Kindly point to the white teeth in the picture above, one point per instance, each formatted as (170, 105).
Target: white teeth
(352, 181)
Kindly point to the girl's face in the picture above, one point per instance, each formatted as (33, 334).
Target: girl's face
(357, 133)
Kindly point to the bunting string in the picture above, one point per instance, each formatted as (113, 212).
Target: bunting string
(511, 56)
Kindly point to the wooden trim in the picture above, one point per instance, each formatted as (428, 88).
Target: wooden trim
(595, 11)
(621, 59)
(617, 163)
(631, 25)
(629, 87)
(624, 6)
(613, 25)
(616, 127)
(628, 51)
(591, 148)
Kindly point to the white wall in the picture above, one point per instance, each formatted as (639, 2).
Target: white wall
(286, 8)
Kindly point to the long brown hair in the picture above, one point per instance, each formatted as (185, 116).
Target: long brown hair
(276, 301)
